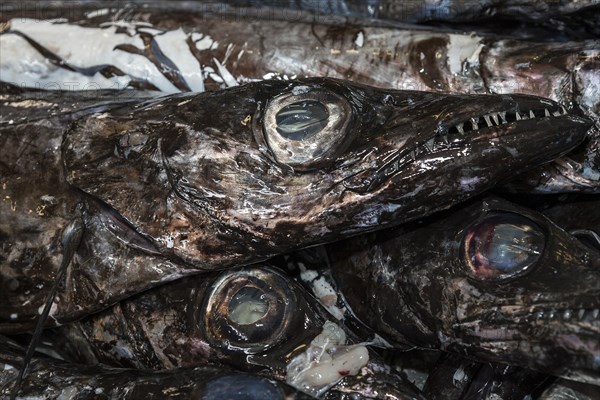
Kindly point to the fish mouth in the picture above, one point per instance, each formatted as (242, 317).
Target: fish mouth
(543, 337)
(521, 125)
(521, 117)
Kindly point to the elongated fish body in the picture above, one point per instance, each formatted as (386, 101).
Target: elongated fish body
(53, 379)
(171, 52)
(172, 186)
(493, 281)
(427, 10)
(163, 50)
(255, 319)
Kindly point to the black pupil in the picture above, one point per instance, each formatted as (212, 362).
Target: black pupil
(301, 120)
(503, 245)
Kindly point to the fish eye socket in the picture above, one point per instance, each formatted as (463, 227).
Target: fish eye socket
(502, 246)
(305, 128)
(249, 309)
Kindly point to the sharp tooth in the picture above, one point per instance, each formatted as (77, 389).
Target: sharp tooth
(539, 314)
(487, 120)
(517, 116)
(413, 155)
(556, 113)
(429, 145)
(495, 118)
(595, 313)
(445, 139)
(503, 116)
(460, 129)
(531, 114)
(475, 123)
(546, 112)
(581, 313)
(564, 110)
(567, 314)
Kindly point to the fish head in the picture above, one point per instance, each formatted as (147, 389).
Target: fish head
(256, 319)
(491, 280)
(218, 178)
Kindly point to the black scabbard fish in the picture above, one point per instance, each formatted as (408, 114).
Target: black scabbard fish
(202, 48)
(492, 281)
(192, 182)
(254, 319)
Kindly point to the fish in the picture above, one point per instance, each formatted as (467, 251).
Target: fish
(468, 15)
(492, 281)
(52, 378)
(165, 50)
(255, 319)
(174, 51)
(176, 185)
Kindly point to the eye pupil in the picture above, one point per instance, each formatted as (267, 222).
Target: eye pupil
(301, 120)
(248, 306)
(503, 245)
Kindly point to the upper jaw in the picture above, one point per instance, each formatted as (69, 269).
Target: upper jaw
(461, 119)
(423, 128)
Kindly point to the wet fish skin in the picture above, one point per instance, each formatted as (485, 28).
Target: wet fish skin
(546, 320)
(53, 379)
(569, 390)
(175, 185)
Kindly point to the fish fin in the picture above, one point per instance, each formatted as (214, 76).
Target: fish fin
(71, 239)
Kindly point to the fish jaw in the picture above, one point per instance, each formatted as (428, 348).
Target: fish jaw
(209, 160)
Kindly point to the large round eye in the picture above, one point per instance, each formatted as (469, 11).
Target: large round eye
(249, 309)
(502, 246)
(306, 127)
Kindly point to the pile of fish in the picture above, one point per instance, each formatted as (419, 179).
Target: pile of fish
(300, 200)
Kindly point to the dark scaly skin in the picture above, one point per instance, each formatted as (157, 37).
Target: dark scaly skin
(176, 325)
(54, 379)
(186, 183)
(413, 287)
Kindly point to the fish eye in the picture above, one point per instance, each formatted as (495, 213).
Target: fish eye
(502, 246)
(306, 127)
(248, 309)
